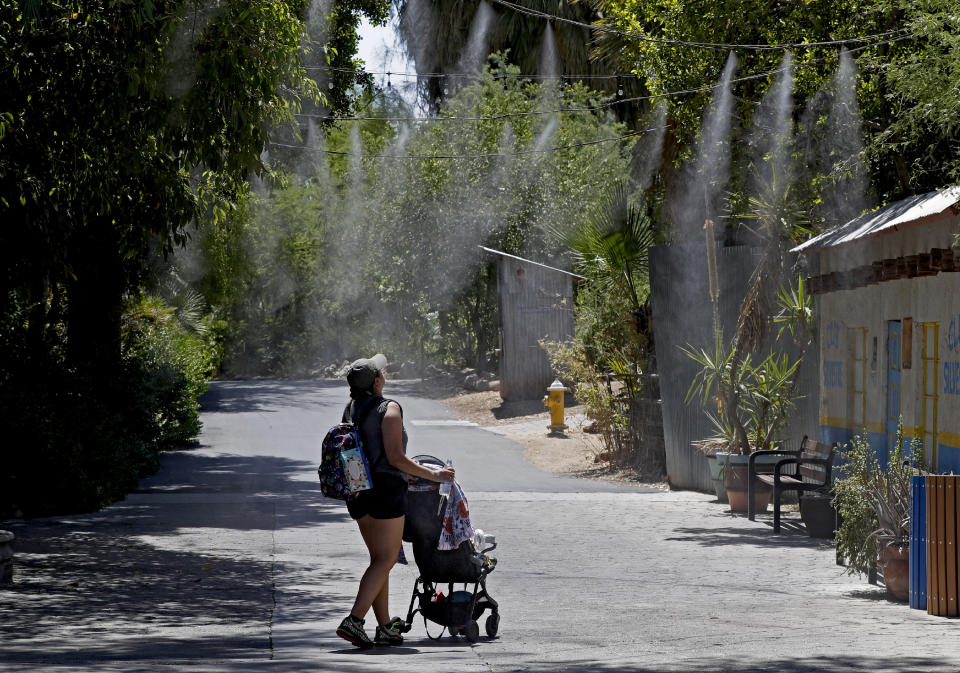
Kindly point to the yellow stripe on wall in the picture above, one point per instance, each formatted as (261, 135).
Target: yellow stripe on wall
(913, 431)
(833, 422)
(949, 438)
(847, 424)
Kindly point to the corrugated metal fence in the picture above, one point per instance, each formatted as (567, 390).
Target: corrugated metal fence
(683, 316)
(536, 302)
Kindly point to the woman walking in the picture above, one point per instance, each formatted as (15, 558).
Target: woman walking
(380, 511)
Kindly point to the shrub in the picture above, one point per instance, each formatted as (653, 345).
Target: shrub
(77, 442)
(873, 502)
(570, 361)
(167, 367)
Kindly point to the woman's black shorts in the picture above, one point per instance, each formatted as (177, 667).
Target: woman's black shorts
(386, 500)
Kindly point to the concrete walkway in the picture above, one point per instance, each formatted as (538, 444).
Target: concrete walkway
(229, 560)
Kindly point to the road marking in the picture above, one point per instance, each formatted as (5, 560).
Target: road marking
(444, 422)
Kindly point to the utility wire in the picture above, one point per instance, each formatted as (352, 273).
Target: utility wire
(464, 75)
(595, 108)
(509, 115)
(520, 9)
(481, 155)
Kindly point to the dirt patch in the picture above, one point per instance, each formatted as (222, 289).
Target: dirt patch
(487, 408)
(575, 453)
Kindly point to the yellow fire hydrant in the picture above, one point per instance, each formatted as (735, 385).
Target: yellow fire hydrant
(554, 401)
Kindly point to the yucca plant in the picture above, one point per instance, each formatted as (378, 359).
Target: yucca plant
(754, 397)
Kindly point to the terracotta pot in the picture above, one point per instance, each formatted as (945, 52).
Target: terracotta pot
(735, 479)
(895, 562)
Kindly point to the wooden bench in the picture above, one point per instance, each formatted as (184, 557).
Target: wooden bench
(809, 469)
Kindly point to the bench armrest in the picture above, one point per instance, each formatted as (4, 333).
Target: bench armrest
(752, 472)
(778, 468)
(751, 464)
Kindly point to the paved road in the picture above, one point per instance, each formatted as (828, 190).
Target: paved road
(230, 560)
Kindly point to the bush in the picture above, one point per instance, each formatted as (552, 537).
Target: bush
(167, 367)
(570, 361)
(78, 442)
(873, 501)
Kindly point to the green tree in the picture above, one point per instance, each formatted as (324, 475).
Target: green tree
(903, 90)
(123, 123)
(390, 246)
(922, 124)
(510, 191)
(437, 34)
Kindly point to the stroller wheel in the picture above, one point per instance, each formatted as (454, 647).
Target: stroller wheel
(493, 623)
(471, 632)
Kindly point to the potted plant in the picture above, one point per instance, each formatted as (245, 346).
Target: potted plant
(753, 381)
(753, 397)
(711, 448)
(753, 403)
(874, 507)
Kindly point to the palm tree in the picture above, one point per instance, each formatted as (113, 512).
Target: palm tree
(612, 250)
(614, 245)
(435, 33)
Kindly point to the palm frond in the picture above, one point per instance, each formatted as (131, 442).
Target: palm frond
(614, 243)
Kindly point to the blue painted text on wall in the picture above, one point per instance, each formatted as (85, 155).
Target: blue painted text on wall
(833, 335)
(953, 335)
(951, 378)
(833, 374)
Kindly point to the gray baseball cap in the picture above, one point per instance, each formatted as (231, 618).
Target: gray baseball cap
(363, 372)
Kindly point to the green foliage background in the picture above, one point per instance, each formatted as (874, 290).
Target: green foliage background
(356, 254)
(126, 127)
(131, 132)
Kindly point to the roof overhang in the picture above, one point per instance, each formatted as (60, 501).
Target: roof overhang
(912, 211)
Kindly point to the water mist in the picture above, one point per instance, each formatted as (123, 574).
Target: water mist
(847, 197)
(703, 183)
(475, 51)
(772, 137)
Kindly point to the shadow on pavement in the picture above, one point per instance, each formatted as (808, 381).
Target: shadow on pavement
(731, 535)
(86, 590)
(832, 664)
(256, 481)
(262, 396)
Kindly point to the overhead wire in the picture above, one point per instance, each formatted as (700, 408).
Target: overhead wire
(719, 46)
(478, 155)
(509, 115)
(463, 75)
(889, 37)
(594, 108)
(599, 106)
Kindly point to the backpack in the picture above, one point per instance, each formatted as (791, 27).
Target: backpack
(343, 438)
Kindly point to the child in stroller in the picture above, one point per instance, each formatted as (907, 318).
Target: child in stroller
(468, 563)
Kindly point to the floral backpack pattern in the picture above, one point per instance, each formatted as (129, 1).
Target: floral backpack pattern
(343, 437)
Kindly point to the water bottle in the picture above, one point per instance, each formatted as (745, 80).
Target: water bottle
(480, 539)
(445, 485)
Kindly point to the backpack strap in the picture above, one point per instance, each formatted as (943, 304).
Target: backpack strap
(360, 412)
(357, 414)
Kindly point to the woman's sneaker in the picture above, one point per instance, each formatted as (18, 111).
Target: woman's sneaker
(389, 634)
(352, 629)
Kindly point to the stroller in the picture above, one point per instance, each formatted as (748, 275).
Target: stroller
(469, 564)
